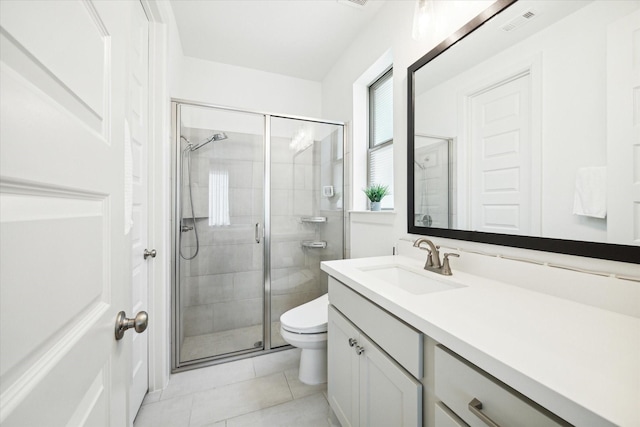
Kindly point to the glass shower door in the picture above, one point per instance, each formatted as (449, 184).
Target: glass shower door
(307, 219)
(219, 233)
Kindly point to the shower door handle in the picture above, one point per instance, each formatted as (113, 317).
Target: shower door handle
(257, 234)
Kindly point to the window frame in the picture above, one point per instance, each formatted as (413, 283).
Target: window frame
(371, 147)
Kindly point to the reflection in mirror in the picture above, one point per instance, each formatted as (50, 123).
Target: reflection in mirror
(432, 172)
(539, 100)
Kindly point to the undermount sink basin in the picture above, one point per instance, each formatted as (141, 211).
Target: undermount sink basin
(405, 278)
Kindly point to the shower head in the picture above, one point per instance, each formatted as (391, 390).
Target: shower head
(215, 137)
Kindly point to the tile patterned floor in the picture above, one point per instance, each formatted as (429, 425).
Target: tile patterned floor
(261, 391)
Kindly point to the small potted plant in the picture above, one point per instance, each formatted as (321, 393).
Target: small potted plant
(375, 193)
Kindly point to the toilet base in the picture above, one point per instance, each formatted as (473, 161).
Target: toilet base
(313, 366)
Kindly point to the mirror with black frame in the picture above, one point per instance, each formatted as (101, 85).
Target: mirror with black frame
(524, 130)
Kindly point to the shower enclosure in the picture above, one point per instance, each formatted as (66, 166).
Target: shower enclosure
(258, 203)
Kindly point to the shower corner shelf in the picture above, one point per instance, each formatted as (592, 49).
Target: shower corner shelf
(314, 244)
(314, 219)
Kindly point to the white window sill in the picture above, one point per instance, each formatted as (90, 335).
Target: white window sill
(384, 218)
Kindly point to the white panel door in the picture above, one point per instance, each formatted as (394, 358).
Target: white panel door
(64, 254)
(500, 147)
(138, 122)
(623, 130)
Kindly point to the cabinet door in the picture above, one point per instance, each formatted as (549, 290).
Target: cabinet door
(342, 369)
(389, 396)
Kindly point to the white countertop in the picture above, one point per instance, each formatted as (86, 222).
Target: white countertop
(575, 360)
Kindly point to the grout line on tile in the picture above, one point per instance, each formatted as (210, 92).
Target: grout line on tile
(288, 385)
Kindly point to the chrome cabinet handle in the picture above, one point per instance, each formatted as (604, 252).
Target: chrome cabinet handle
(257, 234)
(359, 350)
(475, 406)
(352, 342)
(138, 323)
(150, 253)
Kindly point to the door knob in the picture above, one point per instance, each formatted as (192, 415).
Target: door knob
(150, 253)
(139, 323)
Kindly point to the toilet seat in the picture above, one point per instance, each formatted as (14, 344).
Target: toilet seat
(308, 318)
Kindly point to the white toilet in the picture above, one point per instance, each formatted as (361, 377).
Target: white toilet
(305, 327)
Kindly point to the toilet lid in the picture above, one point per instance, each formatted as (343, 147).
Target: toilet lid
(308, 318)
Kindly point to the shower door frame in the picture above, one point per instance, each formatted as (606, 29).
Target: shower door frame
(176, 171)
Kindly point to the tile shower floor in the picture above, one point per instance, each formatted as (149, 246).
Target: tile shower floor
(261, 391)
(217, 343)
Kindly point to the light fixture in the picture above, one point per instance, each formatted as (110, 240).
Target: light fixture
(422, 19)
(301, 140)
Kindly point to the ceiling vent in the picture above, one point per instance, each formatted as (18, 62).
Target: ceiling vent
(519, 20)
(354, 3)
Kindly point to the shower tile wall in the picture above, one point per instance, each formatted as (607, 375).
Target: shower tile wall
(223, 285)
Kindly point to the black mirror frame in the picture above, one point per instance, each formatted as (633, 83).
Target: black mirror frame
(612, 252)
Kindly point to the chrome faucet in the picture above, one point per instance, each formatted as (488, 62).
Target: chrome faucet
(433, 259)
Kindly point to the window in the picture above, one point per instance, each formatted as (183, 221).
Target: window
(380, 156)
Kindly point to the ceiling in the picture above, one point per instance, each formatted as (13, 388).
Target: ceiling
(298, 38)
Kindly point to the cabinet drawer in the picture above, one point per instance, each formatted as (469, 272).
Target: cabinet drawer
(458, 383)
(446, 418)
(396, 338)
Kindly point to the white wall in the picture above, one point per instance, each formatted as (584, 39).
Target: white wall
(245, 88)
(390, 30)
(215, 83)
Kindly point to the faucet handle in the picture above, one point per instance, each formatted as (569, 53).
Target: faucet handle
(429, 262)
(446, 268)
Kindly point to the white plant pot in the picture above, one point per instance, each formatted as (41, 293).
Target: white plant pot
(375, 206)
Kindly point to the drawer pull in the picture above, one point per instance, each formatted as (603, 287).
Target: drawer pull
(475, 406)
(352, 342)
(359, 350)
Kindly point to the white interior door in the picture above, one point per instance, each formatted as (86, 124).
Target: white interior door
(623, 130)
(63, 253)
(500, 147)
(138, 121)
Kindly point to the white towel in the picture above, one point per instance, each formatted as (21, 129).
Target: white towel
(591, 192)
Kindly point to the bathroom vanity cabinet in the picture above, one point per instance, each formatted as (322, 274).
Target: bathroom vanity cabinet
(376, 375)
(371, 381)
(482, 353)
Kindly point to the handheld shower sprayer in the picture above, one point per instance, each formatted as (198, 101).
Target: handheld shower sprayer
(215, 137)
(190, 148)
